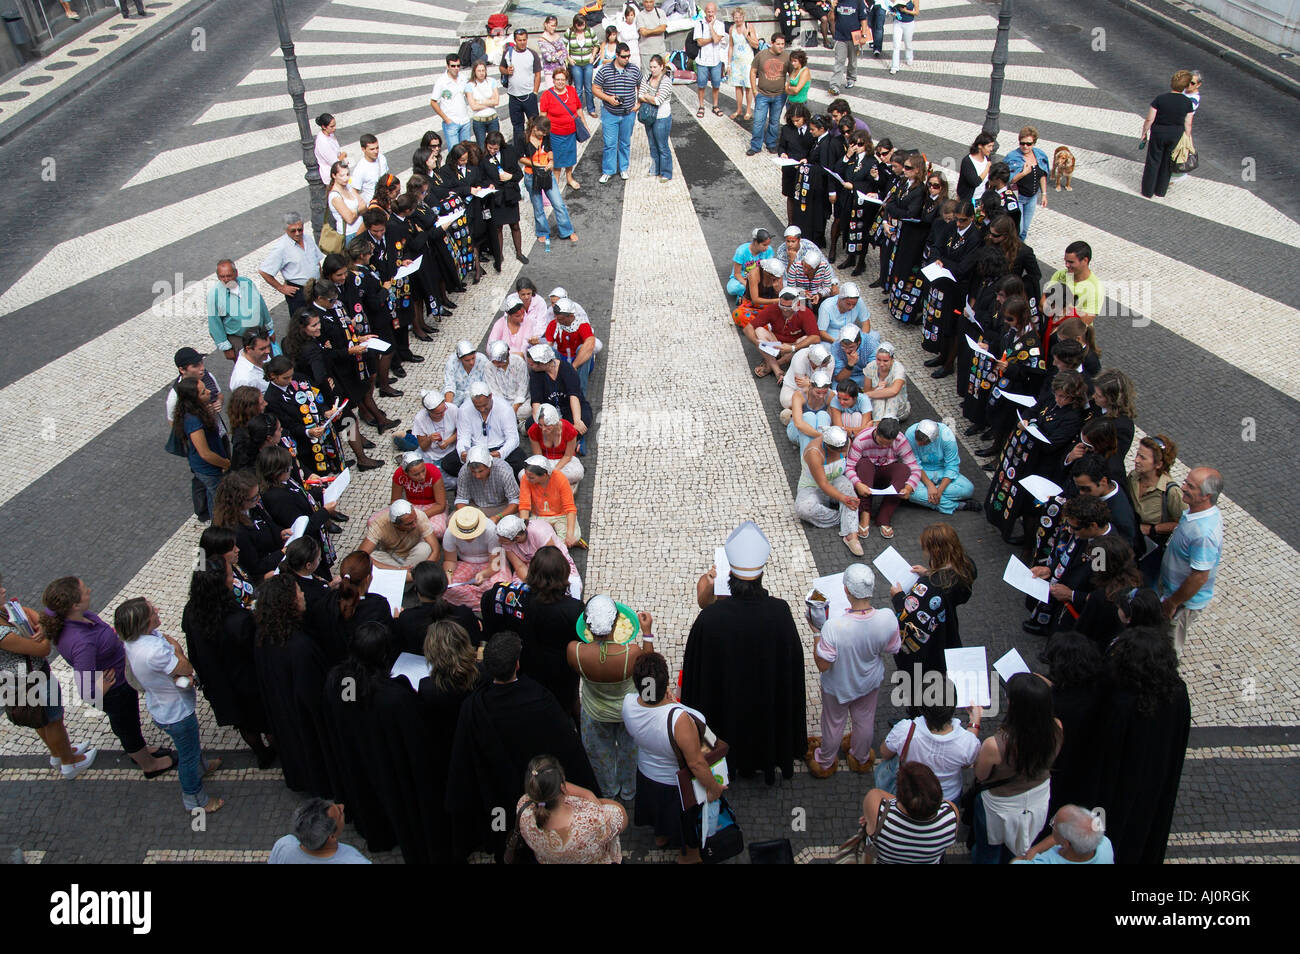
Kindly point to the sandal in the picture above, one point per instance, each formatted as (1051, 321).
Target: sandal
(762, 370)
(748, 116)
(214, 805)
(887, 532)
(716, 111)
(699, 113)
(864, 531)
(162, 771)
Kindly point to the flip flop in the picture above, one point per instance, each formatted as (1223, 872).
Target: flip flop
(761, 370)
(162, 771)
(887, 532)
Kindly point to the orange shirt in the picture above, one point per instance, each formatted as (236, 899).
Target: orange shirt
(554, 500)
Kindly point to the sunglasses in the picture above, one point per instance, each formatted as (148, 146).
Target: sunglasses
(1026, 142)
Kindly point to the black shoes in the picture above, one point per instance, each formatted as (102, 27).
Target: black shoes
(973, 429)
(974, 506)
(988, 450)
(942, 373)
(878, 283)
(411, 357)
(934, 363)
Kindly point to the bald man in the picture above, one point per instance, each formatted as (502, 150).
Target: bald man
(1191, 560)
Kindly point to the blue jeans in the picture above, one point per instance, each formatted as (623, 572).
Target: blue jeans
(521, 109)
(876, 20)
(582, 74)
(209, 482)
(481, 129)
(453, 133)
(563, 225)
(1028, 205)
(616, 134)
(767, 120)
(704, 75)
(584, 372)
(661, 157)
(190, 763)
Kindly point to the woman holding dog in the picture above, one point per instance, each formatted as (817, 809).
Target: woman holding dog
(1029, 172)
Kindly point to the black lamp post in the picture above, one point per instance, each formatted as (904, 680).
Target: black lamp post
(297, 92)
(999, 68)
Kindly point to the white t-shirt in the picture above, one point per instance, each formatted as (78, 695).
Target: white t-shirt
(450, 96)
(946, 755)
(801, 364)
(366, 175)
(648, 726)
(714, 54)
(153, 660)
(247, 373)
(483, 91)
(424, 425)
(629, 33)
(853, 644)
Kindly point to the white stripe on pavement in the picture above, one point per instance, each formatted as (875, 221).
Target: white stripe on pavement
(332, 48)
(259, 77)
(413, 9)
(346, 26)
(1046, 75)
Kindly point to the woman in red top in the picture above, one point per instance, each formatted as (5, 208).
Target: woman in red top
(561, 106)
(556, 439)
(421, 484)
(572, 339)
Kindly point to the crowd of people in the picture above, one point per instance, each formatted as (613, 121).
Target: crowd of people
(518, 700)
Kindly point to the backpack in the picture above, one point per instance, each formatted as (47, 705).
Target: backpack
(692, 46)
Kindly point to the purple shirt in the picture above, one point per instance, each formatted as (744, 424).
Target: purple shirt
(93, 646)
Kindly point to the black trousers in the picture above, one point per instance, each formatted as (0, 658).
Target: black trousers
(1159, 165)
(139, 7)
(122, 706)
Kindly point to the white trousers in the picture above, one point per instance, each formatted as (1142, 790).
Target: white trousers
(902, 36)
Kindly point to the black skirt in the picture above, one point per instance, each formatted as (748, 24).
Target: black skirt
(660, 806)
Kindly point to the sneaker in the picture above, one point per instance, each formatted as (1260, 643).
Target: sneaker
(893, 70)
(72, 771)
(665, 178)
(624, 174)
(751, 152)
(849, 84)
(603, 179)
(835, 90)
(78, 749)
(875, 54)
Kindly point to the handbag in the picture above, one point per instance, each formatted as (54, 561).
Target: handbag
(331, 242)
(859, 849)
(580, 128)
(727, 840)
(886, 775)
(778, 851)
(1183, 157)
(178, 446)
(29, 716)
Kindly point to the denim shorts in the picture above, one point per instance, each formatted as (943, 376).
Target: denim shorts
(708, 74)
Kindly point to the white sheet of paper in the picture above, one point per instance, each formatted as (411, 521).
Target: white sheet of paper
(378, 344)
(1040, 487)
(968, 669)
(781, 161)
(1018, 575)
(721, 584)
(1031, 429)
(1011, 664)
(297, 529)
(409, 269)
(979, 348)
(389, 584)
(447, 220)
(832, 587)
(970, 314)
(873, 199)
(334, 490)
(894, 568)
(934, 271)
(1024, 400)
(770, 347)
(720, 772)
(883, 492)
(413, 667)
(486, 190)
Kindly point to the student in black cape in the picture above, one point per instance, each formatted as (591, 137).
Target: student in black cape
(503, 725)
(337, 615)
(411, 628)
(743, 665)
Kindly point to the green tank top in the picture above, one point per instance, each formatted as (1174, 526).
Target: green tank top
(603, 701)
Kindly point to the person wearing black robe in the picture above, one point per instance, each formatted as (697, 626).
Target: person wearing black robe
(287, 501)
(1079, 685)
(501, 158)
(503, 725)
(812, 192)
(412, 626)
(794, 143)
(853, 168)
(1067, 566)
(743, 666)
(947, 299)
(333, 627)
(258, 537)
(1146, 720)
(928, 625)
(906, 280)
(291, 669)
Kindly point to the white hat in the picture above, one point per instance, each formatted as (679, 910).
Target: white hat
(498, 351)
(835, 436)
(541, 353)
(399, 509)
(789, 291)
(813, 258)
(558, 292)
(512, 302)
(929, 429)
(747, 551)
(564, 306)
(821, 378)
(464, 348)
(772, 266)
(859, 581)
(548, 414)
(886, 347)
(537, 460)
(793, 230)
(819, 353)
(411, 457)
(850, 332)
(479, 389)
(432, 400)
(601, 615)
(478, 454)
(510, 526)
(850, 290)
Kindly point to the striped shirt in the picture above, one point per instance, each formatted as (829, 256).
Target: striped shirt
(901, 840)
(621, 84)
(581, 45)
(864, 445)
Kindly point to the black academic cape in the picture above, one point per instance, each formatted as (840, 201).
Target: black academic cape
(455, 836)
(349, 731)
(502, 727)
(225, 668)
(1074, 773)
(1141, 757)
(291, 677)
(413, 625)
(333, 631)
(743, 669)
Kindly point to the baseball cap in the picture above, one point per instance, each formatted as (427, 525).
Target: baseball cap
(187, 358)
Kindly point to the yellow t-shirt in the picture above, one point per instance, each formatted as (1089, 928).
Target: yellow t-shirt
(1084, 297)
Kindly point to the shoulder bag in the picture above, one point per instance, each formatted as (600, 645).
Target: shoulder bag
(580, 127)
(860, 849)
(886, 776)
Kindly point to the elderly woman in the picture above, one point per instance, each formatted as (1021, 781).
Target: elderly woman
(851, 409)
(564, 823)
(798, 375)
(942, 487)
(547, 494)
(1157, 498)
(825, 496)
(915, 827)
(556, 439)
(813, 276)
(522, 539)
(507, 376)
(472, 557)
(747, 256)
(1168, 120)
(810, 411)
(418, 481)
(465, 366)
(605, 666)
(885, 381)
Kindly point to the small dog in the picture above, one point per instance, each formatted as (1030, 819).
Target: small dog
(1062, 168)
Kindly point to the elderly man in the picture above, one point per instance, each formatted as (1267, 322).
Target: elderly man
(485, 420)
(400, 537)
(317, 824)
(488, 484)
(799, 375)
(779, 330)
(248, 370)
(853, 352)
(841, 310)
(572, 338)
(507, 375)
(546, 493)
(465, 366)
(1191, 560)
(881, 459)
(942, 487)
(234, 306)
(295, 258)
(1078, 837)
(711, 35)
(813, 276)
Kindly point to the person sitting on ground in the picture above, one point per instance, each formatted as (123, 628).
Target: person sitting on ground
(814, 278)
(1078, 837)
(400, 537)
(464, 367)
(853, 352)
(762, 289)
(486, 420)
(420, 484)
(487, 483)
(412, 627)
(547, 494)
(572, 339)
(786, 327)
(839, 311)
(554, 438)
(885, 382)
(317, 824)
(942, 487)
(825, 496)
(851, 409)
(515, 326)
(555, 382)
(810, 411)
(472, 557)
(507, 376)
(434, 433)
(746, 259)
(521, 540)
(879, 458)
(799, 375)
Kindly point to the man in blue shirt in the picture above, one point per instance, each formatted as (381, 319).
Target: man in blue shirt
(1078, 838)
(853, 352)
(846, 308)
(1192, 556)
(850, 35)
